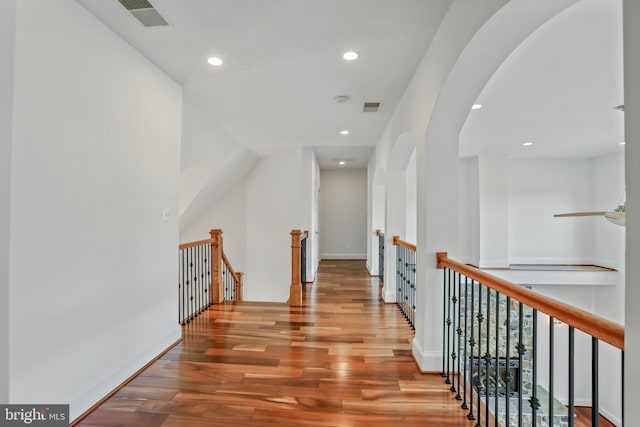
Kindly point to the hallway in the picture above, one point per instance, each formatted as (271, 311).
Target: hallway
(344, 359)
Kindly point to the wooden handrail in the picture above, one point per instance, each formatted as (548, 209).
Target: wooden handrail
(193, 244)
(379, 233)
(229, 267)
(596, 326)
(398, 242)
(304, 235)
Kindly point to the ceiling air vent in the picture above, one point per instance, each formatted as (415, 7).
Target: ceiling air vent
(144, 12)
(371, 107)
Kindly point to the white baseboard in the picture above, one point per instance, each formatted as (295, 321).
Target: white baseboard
(609, 416)
(428, 361)
(343, 256)
(388, 295)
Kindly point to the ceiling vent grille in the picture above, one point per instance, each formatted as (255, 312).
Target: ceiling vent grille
(144, 12)
(371, 107)
(136, 4)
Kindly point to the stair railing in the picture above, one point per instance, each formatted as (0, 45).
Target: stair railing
(380, 235)
(503, 344)
(406, 279)
(205, 277)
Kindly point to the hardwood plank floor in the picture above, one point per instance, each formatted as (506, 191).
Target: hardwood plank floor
(343, 359)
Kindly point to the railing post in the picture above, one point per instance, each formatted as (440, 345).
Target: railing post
(216, 262)
(238, 292)
(295, 290)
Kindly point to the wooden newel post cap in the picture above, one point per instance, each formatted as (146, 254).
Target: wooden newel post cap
(441, 256)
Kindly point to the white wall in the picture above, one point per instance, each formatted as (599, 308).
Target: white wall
(343, 208)
(608, 238)
(274, 208)
(256, 235)
(7, 41)
(493, 212)
(96, 159)
(469, 200)
(632, 177)
(313, 246)
(609, 251)
(411, 201)
(375, 213)
(471, 42)
(538, 189)
(230, 215)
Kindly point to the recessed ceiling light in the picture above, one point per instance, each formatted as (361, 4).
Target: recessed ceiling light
(476, 106)
(622, 143)
(350, 56)
(214, 61)
(341, 162)
(344, 132)
(526, 144)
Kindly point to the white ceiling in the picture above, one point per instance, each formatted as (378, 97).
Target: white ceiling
(283, 64)
(557, 90)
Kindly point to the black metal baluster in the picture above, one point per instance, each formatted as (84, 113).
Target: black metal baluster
(464, 342)
(472, 343)
(551, 367)
(622, 394)
(181, 288)
(508, 375)
(571, 376)
(194, 284)
(487, 358)
(448, 301)
(303, 264)
(459, 333)
(196, 278)
(453, 354)
(226, 282)
(188, 312)
(203, 264)
(413, 291)
(405, 295)
(185, 299)
(533, 400)
(207, 281)
(379, 258)
(399, 278)
(454, 351)
(479, 386)
(595, 406)
(444, 320)
(497, 359)
(521, 349)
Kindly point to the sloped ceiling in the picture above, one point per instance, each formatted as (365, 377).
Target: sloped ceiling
(283, 62)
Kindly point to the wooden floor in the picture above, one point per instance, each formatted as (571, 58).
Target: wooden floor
(344, 359)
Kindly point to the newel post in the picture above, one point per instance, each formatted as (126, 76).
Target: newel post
(295, 290)
(215, 289)
(238, 291)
